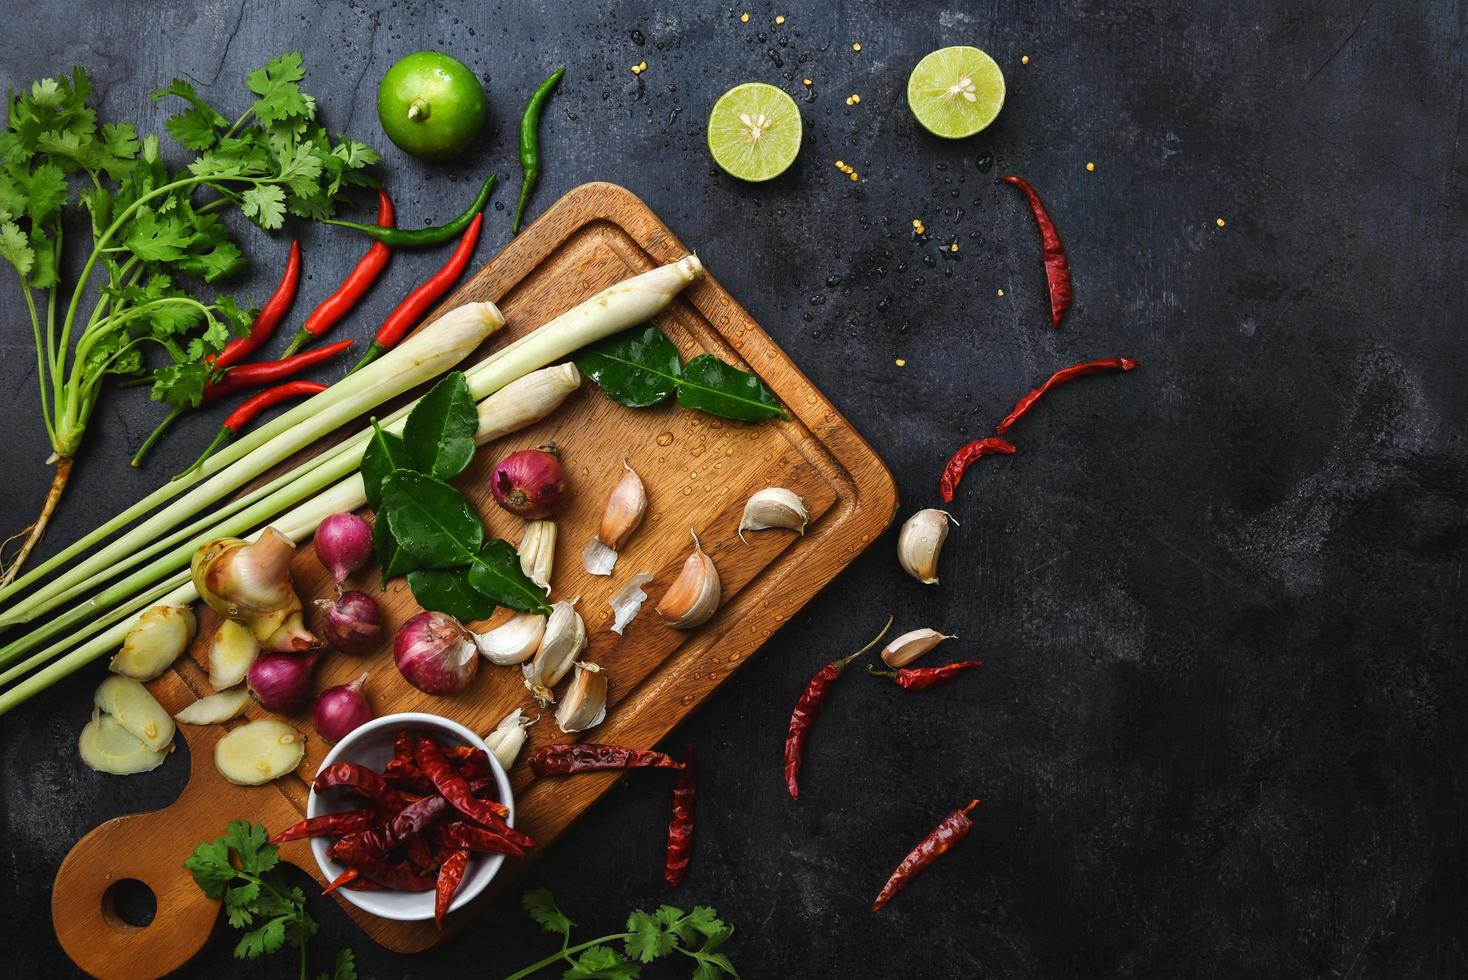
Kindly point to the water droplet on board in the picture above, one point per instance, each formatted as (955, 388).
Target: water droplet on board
(687, 491)
(665, 439)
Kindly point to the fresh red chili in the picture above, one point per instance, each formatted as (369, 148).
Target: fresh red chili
(808, 708)
(249, 409)
(1057, 268)
(1023, 406)
(347, 822)
(453, 786)
(329, 313)
(421, 300)
(921, 678)
(959, 462)
(573, 757)
(680, 824)
(265, 372)
(364, 781)
(269, 317)
(479, 840)
(950, 831)
(450, 874)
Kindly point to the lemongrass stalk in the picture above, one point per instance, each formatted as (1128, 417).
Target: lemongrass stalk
(421, 357)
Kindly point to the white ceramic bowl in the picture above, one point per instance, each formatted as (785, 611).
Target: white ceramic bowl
(371, 745)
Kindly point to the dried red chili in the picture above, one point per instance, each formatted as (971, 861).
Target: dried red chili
(450, 874)
(921, 678)
(959, 462)
(1023, 406)
(347, 822)
(269, 317)
(250, 409)
(453, 786)
(680, 824)
(402, 771)
(1057, 267)
(573, 757)
(396, 876)
(265, 372)
(469, 762)
(364, 781)
(950, 831)
(419, 854)
(409, 823)
(808, 708)
(478, 840)
(353, 288)
(421, 300)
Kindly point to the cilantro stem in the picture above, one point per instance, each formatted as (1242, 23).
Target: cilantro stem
(30, 305)
(564, 953)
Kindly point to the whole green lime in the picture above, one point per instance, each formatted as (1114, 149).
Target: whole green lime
(431, 105)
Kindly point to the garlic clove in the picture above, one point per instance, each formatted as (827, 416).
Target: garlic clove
(585, 703)
(622, 516)
(508, 737)
(920, 541)
(774, 507)
(628, 603)
(906, 648)
(513, 641)
(694, 596)
(538, 552)
(561, 644)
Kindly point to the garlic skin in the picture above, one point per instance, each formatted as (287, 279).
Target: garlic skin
(623, 515)
(250, 582)
(513, 641)
(628, 603)
(508, 737)
(906, 648)
(538, 552)
(585, 703)
(562, 643)
(920, 541)
(774, 507)
(694, 596)
(154, 642)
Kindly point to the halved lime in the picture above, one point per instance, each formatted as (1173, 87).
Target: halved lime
(754, 131)
(955, 92)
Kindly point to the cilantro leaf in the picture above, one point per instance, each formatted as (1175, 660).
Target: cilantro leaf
(194, 129)
(706, 921)
(345, 967)
(650, 938)
(249, 839)
(265, 203)
(45, 192)
(541, 905)
(266, 939)
(210, 867)
(238, 902)
(601, 963)
(280, 97)
(15, 248)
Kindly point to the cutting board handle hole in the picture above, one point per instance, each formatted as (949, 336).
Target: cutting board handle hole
(129, 906)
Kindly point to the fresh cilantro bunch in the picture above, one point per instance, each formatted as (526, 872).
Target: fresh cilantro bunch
(233, 868)
(155, 233)
(649, 936)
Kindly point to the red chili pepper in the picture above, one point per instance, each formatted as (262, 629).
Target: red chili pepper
(249, 410)
(680, 824)
(422, 299)
(1023, 406)
(959, 462)
(269, 317)
(1057, 268)
(348, 822)
(478, 840)
(950, 831)
(419, 854)
(449, 877)
(353, 288)
(410, 822)
(398, 877)
(364, 781)
(573, 757)
(808, 708)
(402, 771)
(264, 372)
(469, 762)
(921, 678)
(453, 786)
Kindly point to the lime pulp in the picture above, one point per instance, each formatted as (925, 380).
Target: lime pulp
(955, 92)
(755, 131)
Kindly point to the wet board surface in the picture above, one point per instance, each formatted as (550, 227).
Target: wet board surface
(698, 470)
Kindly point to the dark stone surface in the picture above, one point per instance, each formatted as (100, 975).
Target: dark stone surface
(1221, 600)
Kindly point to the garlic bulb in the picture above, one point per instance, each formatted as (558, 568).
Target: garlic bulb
(154, 642)
(585, 703)
(774, 507)
(906, 648)
(250, 582)
(623, 514)
(628, 603)
(508, 737)
(513, 641)
(562, 643)
(694, 596)
(919, 543)
(538, 552)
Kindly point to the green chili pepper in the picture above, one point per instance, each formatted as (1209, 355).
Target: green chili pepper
(530, 142)
(424, 237)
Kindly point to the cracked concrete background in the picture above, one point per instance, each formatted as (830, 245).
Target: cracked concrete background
(1221, 600)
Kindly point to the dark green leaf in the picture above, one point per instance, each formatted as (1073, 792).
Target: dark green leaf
(390, 555)
(447, 590)
(250, 841)
(601, 963)
(345, 967)
(440, 430)
(385, 453)
(432, 521)
(541, 905)
(637, 368)
(210, 867)
(710, 385)
(266, 939)
(649, 938)
(496, 573)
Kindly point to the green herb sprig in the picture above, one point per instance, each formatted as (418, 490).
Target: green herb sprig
(649, 936)
(234, 868)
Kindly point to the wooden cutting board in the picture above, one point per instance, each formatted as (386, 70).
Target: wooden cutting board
(699, 471)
